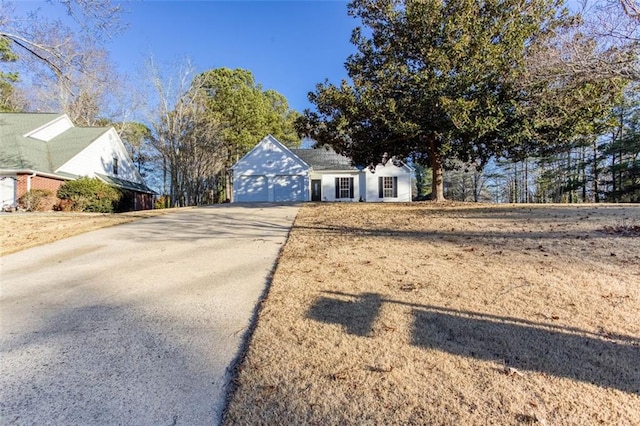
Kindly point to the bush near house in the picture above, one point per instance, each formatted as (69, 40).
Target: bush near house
(88, 195)
(37, 200)
(162, 202)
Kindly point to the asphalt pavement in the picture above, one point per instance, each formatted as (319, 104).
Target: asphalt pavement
(136, 324)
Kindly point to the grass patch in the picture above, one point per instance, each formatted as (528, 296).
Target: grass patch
(456, 314)
(24, 230)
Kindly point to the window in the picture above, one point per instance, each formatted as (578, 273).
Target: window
(388, 187)
(115, 166)
(344, 187)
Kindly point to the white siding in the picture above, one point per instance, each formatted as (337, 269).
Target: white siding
(329, 184)
(99, 158)
(404, 175)
(283, 176)
(51, 129)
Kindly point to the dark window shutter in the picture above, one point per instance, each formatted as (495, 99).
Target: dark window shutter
(395, 186)
(380, 187)
(337, 188)
(350, 187)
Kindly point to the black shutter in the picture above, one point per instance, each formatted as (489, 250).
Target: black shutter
(380, 187)
(337, 188)
(395, 186)
(350, 187)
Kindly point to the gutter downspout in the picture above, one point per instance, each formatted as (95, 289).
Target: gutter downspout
(29, 189)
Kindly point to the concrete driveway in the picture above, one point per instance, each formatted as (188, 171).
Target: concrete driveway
(136, 324)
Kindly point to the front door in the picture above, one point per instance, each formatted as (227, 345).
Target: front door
(316, 190)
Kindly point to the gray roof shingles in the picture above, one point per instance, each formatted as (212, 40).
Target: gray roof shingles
(324, 159)
(20, 152)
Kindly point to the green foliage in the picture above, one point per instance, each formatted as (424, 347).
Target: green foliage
(6, 53)
(162, 202)
(7, 78)
(246, 112)
(136, 137)
(37, 200)
(90, 195)
(433, 81)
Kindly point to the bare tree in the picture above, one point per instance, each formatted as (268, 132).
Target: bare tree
(602, 44)
(51, 42)
(67, 67)
(187, 137)
(84, 91)
(631, 8)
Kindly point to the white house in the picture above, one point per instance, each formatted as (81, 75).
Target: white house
(42, 151)
(271, 172)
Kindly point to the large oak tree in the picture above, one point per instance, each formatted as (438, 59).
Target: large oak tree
(432, 80)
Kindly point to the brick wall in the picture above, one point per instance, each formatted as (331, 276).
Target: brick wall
(37, 182)
(144, 201)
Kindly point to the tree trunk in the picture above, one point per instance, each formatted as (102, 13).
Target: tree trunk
(596, 172)
(437, 185)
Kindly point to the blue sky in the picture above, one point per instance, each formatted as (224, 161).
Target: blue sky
(290, 46)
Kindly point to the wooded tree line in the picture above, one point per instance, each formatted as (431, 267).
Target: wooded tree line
(596, 168)
(502, 100)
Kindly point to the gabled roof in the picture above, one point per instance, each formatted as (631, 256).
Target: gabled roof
(269, 139)
(21, 123)
(20, 152)
(324, 158)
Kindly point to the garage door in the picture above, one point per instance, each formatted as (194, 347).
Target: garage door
(7, 191)
(288, 188)
(251, 189)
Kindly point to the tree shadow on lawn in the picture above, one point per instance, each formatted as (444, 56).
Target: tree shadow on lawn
(473, 236)
(357, 317)
(611, 361)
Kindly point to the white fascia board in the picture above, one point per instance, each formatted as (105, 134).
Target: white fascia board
(41, 134)
(7, 172)
(273, 140)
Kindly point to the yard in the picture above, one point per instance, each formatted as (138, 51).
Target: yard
(449, 314)
(435, 314)
(23, 230)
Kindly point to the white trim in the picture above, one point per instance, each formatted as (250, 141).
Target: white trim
(8, 172)
(272, 139)
(49, 124)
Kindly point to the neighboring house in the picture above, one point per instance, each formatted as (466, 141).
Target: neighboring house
(271, 172)
(42, 151)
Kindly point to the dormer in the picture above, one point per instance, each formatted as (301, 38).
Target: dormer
(52, 129)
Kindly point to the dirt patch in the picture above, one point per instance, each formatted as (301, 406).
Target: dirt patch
(23, 230)
(456, 314)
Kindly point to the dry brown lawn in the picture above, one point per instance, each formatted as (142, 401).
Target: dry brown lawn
(456, 314)
(19, 230)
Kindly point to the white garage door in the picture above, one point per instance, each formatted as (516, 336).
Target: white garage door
(7, 190)
(251, 189)
(288, 188)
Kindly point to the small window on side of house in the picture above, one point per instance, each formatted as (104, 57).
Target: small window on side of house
(388, 187)
(115, 166)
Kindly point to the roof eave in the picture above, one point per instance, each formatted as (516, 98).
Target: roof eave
(36, 172)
